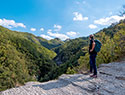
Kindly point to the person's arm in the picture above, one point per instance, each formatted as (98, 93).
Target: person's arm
(93, 46)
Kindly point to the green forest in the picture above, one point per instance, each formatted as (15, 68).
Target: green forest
(25, 57)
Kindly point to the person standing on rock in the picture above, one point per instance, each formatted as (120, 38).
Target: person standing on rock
(93, 55)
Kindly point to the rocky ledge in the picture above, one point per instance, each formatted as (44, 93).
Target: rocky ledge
(110, 81)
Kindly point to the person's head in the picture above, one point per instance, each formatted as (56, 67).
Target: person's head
(91, 37)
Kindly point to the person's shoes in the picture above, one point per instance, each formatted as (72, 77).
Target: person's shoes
(94, 76)
(91, 75)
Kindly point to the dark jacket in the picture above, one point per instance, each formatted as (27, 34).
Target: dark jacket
(90, 47)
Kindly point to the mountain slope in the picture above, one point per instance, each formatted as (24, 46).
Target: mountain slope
(50, 44)
(23, 59)
(70, 50)
(72, 54)
(113, 46)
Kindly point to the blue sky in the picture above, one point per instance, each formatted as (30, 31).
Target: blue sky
(59, 18)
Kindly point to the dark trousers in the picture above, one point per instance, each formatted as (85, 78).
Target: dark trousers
(93, 63)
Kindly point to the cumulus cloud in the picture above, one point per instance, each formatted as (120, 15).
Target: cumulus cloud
(79, 17)
(41, 29)
(109, 20)
(58, 35)
(46, 37)
(72, 34)
(33, 29)
(57, 27)
(92, 26)
(11, 23)
(49, 30)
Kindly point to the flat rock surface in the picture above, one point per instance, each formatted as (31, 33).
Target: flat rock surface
(110, 81)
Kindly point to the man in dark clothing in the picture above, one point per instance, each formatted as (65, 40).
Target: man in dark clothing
(93, 55)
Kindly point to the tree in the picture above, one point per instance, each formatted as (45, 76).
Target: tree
(122, 12)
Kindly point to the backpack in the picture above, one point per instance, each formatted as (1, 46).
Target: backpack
(97, 45)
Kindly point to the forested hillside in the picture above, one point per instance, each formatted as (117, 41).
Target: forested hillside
(25, 57)
(70, 51)
(113, 47)
(50, 44)
(73, 54)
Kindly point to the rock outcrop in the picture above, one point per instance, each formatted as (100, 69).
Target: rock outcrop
(110, 81)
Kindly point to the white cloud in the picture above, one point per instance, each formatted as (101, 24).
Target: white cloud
(33, 29)
(57, 27)
(46, 37)
(72, 34)
(79, 17)
(49, 30)
(109, 20)
(11, 23)
(92, 26)
(58, 35)
(41, 29)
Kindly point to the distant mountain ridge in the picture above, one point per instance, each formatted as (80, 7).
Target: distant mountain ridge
(50, 44)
